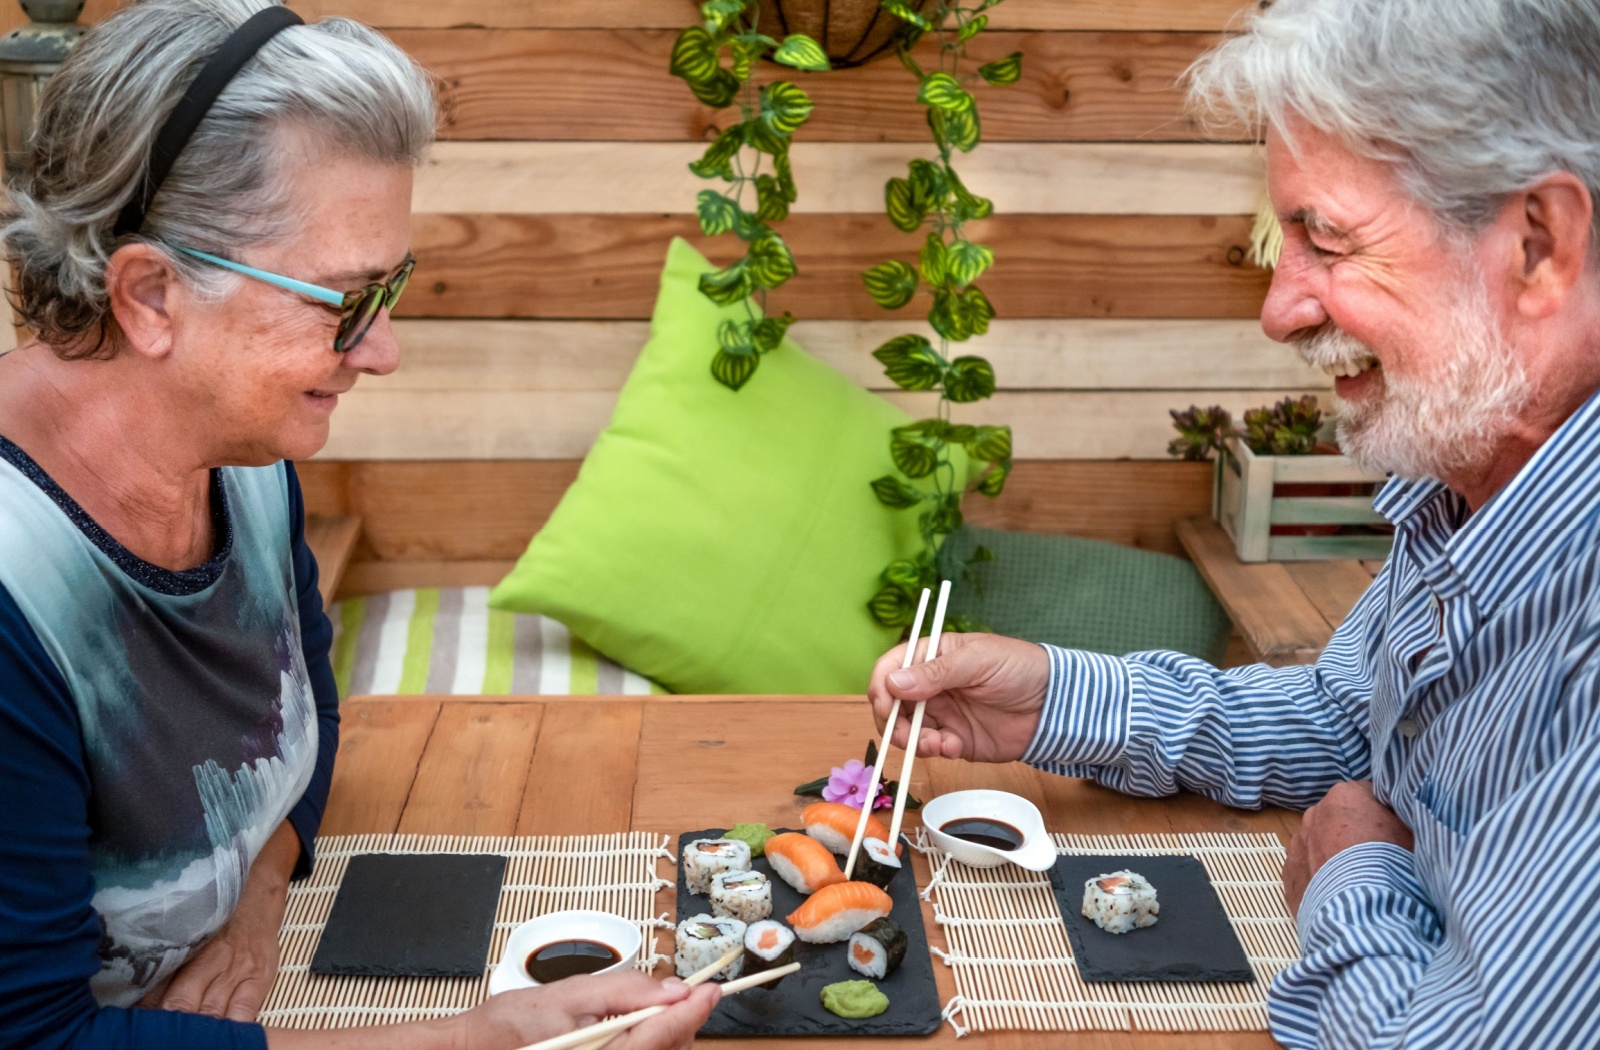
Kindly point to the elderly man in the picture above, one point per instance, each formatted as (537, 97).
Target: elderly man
(1435, 165)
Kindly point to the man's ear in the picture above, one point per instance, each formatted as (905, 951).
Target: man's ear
(141, 284)
(1553, 222)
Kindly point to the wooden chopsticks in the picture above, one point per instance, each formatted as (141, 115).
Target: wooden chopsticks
(602, 1032)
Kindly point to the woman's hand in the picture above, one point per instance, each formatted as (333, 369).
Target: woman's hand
(984, 696)
(232, 974)
(515, 1019)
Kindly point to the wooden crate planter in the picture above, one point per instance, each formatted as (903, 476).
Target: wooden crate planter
(1249, 502)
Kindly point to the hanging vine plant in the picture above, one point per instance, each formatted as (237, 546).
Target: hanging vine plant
(947, 269)
(717, 59)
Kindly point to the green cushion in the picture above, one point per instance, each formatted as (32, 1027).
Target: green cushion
(1084, 594)
(723, 542)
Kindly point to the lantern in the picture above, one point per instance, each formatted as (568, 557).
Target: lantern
(29, 56)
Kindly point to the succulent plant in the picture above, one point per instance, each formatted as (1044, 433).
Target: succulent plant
(1288, 428)
(1201, 431)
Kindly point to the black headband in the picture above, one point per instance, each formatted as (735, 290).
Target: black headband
(196, 102)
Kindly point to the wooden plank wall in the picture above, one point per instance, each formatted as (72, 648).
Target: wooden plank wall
(544, 213)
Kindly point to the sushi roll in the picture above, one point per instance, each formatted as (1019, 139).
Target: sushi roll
(1120, 902)
(704, 858)
(876, 863)
(877, 949)
(834, 912)
(702, 940)
(767, 946)
(834, 825)
(802, 862)
(742, 895)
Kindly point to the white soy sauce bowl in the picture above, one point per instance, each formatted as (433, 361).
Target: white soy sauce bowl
(1037, 852)
(613, 931)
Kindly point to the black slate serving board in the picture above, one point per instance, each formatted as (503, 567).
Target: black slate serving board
(794, 1007)
(1192, 939)
(412, 915)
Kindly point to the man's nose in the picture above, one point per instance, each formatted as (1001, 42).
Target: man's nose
(1292, 310)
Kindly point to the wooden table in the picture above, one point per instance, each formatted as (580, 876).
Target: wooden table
(1285, 611)
(586, 765)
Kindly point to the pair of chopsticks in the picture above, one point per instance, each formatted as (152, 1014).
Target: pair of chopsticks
(888, 730)
(597, 1035)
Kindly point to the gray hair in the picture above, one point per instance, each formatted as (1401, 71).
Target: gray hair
(1470, 100)
(353, 90)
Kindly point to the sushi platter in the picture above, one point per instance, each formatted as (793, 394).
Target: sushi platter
(847, 915)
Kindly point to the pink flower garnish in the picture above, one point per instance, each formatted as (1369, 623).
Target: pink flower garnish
(852, 785)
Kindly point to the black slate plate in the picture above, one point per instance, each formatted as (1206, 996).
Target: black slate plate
(1192, 939)
(412, 915)
(794, 1007)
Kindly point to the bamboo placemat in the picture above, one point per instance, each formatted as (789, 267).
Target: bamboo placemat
(614, 873)
(1013, 962)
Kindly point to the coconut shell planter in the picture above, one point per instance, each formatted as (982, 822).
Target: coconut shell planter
(1299, 508)
(850, 31)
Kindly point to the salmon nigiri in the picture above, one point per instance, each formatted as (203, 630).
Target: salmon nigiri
(802, 862)
(834, 825)
(835, 912)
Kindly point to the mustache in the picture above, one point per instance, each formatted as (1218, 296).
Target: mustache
(1332, 346)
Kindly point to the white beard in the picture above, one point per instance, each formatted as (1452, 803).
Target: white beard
(1438, 426)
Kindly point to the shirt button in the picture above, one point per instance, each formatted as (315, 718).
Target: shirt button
(1408, 728)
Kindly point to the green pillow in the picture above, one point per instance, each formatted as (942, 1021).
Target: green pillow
(1084, 594)
(723, 542)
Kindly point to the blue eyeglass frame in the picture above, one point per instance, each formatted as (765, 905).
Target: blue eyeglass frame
(347, 302)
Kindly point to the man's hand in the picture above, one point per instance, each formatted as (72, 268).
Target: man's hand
(1347, 816)
(232, 974)
(514, 1019)
(984, 695)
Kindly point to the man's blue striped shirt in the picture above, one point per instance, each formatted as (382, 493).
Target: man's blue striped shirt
(1463, 685)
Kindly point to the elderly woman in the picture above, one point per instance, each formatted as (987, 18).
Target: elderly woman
(206, 245)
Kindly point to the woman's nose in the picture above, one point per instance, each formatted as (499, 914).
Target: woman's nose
(378, 353)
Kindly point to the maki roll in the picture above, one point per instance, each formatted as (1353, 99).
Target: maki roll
(834, 912)
(1120, 902)
(767, 946)
(878, 948)
(802, 862)
(742, 895)
(876, 863)
(702, 940)
(704, 858)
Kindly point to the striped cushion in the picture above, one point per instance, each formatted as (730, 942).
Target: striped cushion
(448, 641)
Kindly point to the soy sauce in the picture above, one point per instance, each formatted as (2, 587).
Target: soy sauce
(983, 831)
(563, 959)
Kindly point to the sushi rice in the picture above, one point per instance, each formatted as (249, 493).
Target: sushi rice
(767, 946)
(834, 912)
(704, 858)
(878, 949)
(1120, 901)
(742, 895)
(702, 940)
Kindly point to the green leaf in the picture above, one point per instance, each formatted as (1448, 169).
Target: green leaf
(932, 260)
(968, 205)
(717, 212)
(946, 517)
(784, 107)
(714, 163)
(928, 185)
(958, 130)
(906, 573)
(892, 492)
(734, 370)
(891, 284)
(770, 260)
(979, 307)
(764, 137)
(949, 316)
(771, 206)
(973, 27)
(990, 444)
(892, 607)
(1006, 70)
(970, 379)
(911, 362)
(719, 91)
(718, 13)
(768, 332)
(943, 91)
(980, 555)
(694, 56)
(734, 337)
(813, 788)
(785, 173)
(901, 204)
(967, 261)
(911, 454)
(728, 285)
(961, 434)
(745, 54)
(906, 40)
(994, 482)
(802, 52)
(905, 14)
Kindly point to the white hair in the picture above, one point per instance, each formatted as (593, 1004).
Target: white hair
(1470, 100)
(354, 91)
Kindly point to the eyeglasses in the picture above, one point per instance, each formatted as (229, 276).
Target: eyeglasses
(358, 309)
